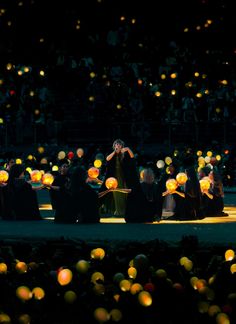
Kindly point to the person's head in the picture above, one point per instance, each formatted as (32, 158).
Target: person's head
(117, 145)
(64, 168)
(148, 175)
(10, 163)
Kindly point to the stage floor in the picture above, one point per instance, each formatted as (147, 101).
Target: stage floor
(209, 231)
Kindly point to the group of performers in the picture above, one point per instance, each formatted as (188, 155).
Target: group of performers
(77, 198)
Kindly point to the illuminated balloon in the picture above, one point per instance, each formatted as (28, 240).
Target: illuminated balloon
(64, 277)
(97, 163)
(205, 183)
(38, 293)
(168, 160)
(181, 178)
(3, 268)
(97, 253)
(41, 149)
(160, 164)
(23, 293)
(21, 267)
(61, 155)
(70, 155)
(80, 152)
(145, 298)
(47, 179)
(35, 176)
(171, 185)
(229, 255)
(111, 183)
(97, 276)
(136, 288)
(125, 285)
(93, 172)
(3, 176)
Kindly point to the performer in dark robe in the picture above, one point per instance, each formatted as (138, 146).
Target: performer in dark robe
(21, 197)
(121, 165)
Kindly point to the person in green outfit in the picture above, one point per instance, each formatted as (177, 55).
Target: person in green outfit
(121, 165)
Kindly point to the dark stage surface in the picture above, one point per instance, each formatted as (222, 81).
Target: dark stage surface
(209, 231)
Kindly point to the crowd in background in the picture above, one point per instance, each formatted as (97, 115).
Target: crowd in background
(103, 68)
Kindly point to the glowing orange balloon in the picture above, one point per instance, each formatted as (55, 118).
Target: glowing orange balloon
(111, 183)
(93, 172)
(64, 277)
(35, 176)
(3, 176)
(181, 178)
(47, 179)
(171, 185)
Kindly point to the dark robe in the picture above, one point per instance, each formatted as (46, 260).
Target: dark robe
(134, 211)
(23, 201)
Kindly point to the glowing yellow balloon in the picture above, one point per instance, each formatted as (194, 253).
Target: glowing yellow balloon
(125, 285)
(233, 268)
(209, 153)
(132, 272)
(35, 176)
(3, 176)
(168, 160)
(18, 161)
(229, 255)
(205, 184)
(3, 268)
(47, 179)
(97, 163)
(97, 276)
(97, 253)
(41, 149)
(171, 185)
(181, 178)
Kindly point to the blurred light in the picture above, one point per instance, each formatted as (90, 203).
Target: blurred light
(173, 92)
(42, 73)
(199, 95)
(229, 255)
(196, 74)
(92, 75)
(122, 18)
(163, 76)
(173, 75)
(157, 93)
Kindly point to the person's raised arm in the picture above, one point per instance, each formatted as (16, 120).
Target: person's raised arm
(110, 156)
(127, 149)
